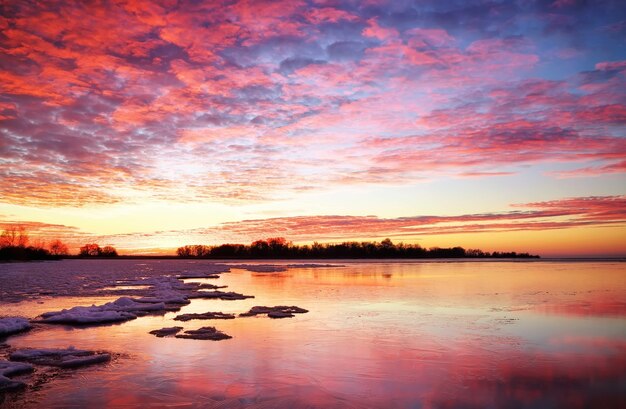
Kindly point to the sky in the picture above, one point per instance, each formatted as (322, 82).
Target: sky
(498, 125)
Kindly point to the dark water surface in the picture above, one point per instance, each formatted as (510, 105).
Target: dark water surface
(378, 335)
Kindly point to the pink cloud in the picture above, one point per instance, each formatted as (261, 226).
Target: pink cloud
(582, 211)
(329, 14)
(287, 85)
(618, 167)
(430, 38)
(374, 30)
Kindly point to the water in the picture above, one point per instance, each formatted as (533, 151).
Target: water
(378, 335)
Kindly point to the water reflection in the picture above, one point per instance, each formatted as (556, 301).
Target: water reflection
(590, 307)
(382, 335)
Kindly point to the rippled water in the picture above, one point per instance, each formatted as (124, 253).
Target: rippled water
(378, 334)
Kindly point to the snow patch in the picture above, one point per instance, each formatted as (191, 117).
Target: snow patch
(122, 309)
(166, 297)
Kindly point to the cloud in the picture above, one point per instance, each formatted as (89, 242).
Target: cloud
(617, 167)
(252, 96)
(559, 214)
(40, 233)
(345, 50)
(292, 64)
(374, 30)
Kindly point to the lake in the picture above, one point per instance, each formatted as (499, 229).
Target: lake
(378, 334)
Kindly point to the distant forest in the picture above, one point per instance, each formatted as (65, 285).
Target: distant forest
(280, 248)
(16, 245)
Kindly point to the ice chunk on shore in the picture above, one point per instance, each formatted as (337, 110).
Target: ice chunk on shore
(85, 316)
(122, 309)
(13, 325)
(8, 368)
(132, 305)
(63, 358)
(209, 333)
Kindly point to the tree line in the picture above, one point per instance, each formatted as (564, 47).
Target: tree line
(15, 244)
(279, 247)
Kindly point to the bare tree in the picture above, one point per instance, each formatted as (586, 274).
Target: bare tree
(58, 248)
(14, 236)
(108, 251)
(90, 249)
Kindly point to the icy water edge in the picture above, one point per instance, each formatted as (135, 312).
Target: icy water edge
(378, 335)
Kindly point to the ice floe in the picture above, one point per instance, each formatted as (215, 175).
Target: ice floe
(205, 316)
(122, 309)
(7, 369)
(222, 295)
(207, 286)
(63, 358)
(164, 332)
(164, 297)
(209, 333)
(184, 276)
(13, 325)
(280, 311)
(86, 316)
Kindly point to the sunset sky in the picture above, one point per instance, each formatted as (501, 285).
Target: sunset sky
(149, 125)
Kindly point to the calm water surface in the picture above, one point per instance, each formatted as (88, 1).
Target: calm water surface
(378, 335)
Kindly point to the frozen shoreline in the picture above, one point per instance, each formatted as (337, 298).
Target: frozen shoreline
(145, 292)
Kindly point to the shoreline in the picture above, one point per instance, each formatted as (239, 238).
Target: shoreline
(343, 260)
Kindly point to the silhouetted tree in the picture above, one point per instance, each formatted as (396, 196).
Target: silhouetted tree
(259, 248)
(14, 246)
(94, 250)
(184, 251)
(475, 253)
(90, 250)
(196, 250)
(108, 251)
(14, 236)
(58, 248)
